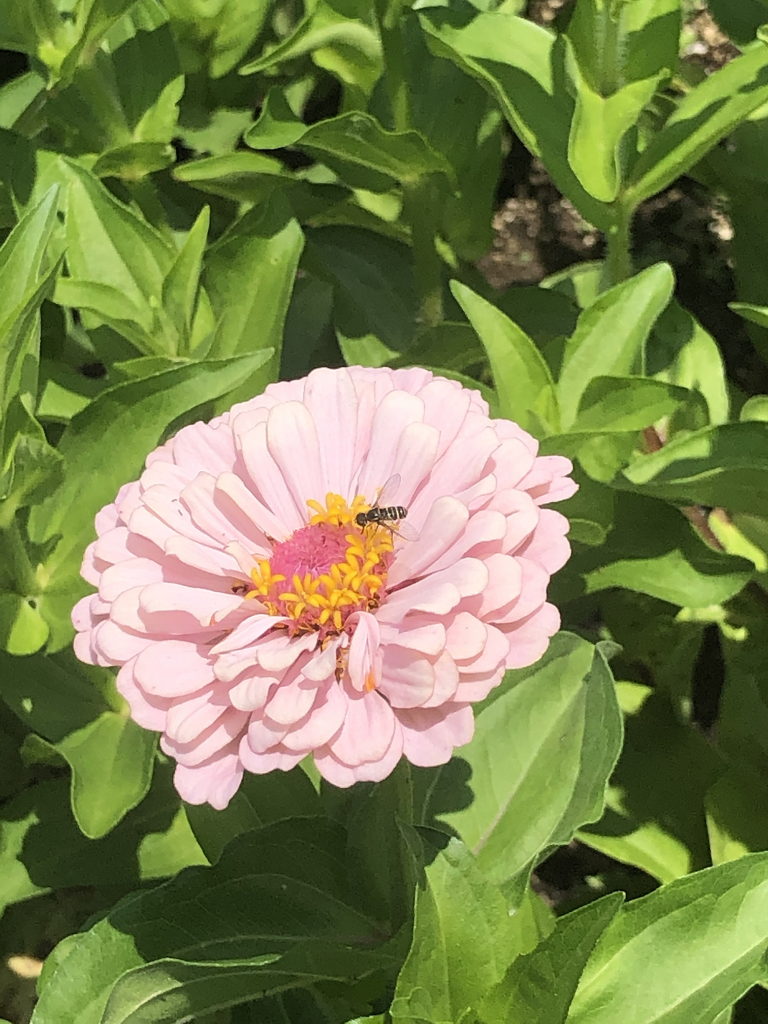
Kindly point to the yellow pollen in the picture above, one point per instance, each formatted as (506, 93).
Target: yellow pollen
(353, 579)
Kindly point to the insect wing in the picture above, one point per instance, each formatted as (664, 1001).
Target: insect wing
(388, 492)
(405, 530)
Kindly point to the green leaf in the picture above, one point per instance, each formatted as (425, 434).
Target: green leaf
(554, 728)
(755, 314)
(611, 333)
(527, 81)
(346, 46)
(181, 286)
(22, 628)
(703, 117)
(242, 176)
(111, 760)
(598, 129)
(98, 459)
(249, 276)
(43, 848)
(755, 409)
(22, 278)
(523, 382)
(121, 104)
(260, 800)
(217, 43)
(374, 304)
(681, 352)
(354, 145)
(702, 939)
(618, 404)
(77, 710)
(737, 815)
(653, 549)
(655, 814)
(723, 466)
(539, 986)
(617, 43)
(281, 910)
(463, 941)
(110, 245)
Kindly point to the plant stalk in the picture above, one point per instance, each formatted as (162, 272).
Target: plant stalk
(618, 248)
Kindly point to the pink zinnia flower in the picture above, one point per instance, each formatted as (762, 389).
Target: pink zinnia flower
(256, 621)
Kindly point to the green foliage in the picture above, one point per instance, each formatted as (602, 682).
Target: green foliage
(201, 197)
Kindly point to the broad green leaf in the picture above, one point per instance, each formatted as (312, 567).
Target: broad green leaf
(624, 42)
(280, 910)
(17, 95)
(345, 45)
(22, 278)
(701, 939)
(249, 275)
(111, 760)
(110, 245)
(681, 352)
(737, 815)
(94, 18)
(655, 815)
(554, 728)
(538, 987)
(374, 304)
(22, 628)
(77, 710)
(463, 941)
(121, 105)
(653, 549)
(611, 334)
(522, 379)
(526, 80)
(619, 404)
(33, 466)
(36, 27)
(354, 145)
(112, 306)
(242, 176)
(43, 849)
(467, 132)
(103, 447)
(216, 43)
(742, 726)
(756, 314)
(598, 129)
(739, 21)
(755, 409)
(261, 799)
(181, 286)
(723, 466)
(706, 114)
(590, 511)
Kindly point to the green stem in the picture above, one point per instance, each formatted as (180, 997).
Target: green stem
(618, 251)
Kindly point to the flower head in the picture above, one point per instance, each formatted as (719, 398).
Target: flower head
(264, 605)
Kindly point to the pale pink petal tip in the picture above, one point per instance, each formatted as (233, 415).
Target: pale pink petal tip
(338, 568)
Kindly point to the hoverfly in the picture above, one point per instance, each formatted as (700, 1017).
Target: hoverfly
(389, 516)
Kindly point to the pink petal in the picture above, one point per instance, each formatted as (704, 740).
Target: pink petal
(173, 668)
(293, 443)
(343, 775)
(408, 678)
(366, 734)
(430, 735)
(214, 782)
(149, 712)
(278, 760)
(364, 662)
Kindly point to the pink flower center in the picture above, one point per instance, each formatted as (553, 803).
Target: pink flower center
(326, 570)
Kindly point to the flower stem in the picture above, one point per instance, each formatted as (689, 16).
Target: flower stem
(618, 251)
